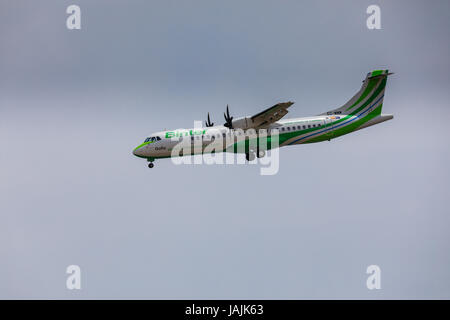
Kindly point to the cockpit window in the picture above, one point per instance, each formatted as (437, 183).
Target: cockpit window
(152, 139)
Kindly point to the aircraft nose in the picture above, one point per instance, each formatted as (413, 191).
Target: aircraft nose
(138, 152)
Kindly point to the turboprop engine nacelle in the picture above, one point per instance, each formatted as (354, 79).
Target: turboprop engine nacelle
(243, 123)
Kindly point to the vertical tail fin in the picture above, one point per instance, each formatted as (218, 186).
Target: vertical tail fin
(370, 95)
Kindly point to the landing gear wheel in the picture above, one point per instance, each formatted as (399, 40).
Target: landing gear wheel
(150, 165)
(260, 153)
(250, 156)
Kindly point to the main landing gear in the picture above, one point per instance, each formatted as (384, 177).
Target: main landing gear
(250, 156)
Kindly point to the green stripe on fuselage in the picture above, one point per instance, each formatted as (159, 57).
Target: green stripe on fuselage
(143, 144)
(350, 127)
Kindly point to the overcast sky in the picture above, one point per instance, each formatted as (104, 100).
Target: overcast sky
(74, 103)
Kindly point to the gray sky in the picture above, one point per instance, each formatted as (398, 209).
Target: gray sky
(73, 104)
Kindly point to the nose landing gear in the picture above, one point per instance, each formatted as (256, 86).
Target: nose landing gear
(150, 164)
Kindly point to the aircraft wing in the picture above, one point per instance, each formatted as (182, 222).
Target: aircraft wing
(270, 115)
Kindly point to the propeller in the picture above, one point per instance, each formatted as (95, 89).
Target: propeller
(208, 122)
(228, 119)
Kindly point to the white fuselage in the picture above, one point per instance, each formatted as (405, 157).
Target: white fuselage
(200, 137)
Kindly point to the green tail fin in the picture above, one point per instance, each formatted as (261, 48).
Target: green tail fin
(370, 94)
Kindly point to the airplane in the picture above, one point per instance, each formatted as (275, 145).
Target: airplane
(361, 111)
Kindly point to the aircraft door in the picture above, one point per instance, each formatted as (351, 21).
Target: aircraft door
(329, 127)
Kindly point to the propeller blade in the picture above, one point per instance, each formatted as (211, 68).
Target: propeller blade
(208, 122)
(228, 119)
